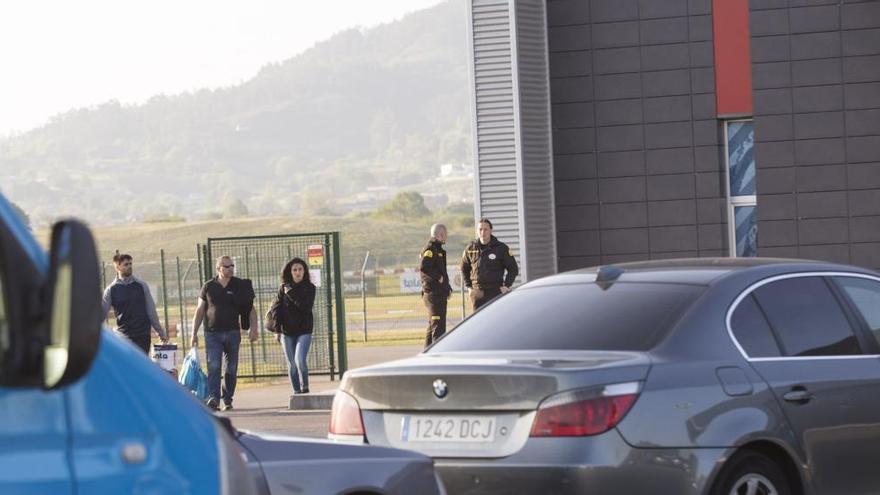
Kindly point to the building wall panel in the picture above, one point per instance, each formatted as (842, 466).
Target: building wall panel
(818, 185)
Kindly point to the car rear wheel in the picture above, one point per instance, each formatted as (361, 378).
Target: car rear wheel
(751, 473)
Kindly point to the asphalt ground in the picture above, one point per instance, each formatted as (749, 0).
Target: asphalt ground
(262, 407)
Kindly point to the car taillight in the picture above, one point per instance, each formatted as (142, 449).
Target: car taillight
(345, 416)
(584, 412)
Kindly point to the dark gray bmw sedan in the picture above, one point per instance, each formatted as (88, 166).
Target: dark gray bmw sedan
(704, 376)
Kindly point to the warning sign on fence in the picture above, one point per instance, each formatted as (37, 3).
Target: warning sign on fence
(316, 254)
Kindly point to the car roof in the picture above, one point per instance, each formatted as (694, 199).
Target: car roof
(697, 271)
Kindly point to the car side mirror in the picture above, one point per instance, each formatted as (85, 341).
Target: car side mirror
(73, 305)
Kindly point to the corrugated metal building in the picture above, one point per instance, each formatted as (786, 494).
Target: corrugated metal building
(617, 130)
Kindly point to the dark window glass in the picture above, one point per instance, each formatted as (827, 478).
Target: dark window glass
(807, 318)
(746, 220)
(624, 316)
(752, 331)
(865, 294)
(741, 157)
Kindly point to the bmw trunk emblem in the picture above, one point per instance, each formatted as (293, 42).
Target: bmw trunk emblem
(440, 388)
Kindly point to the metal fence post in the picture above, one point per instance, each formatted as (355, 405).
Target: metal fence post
(340, 305)
(208, 264)
(183, 317)
(463, 302)
(260, 308)
(164, 287)
(364, 291)
(247, 270)
(199, 257)
(179, 298)
(327, 279)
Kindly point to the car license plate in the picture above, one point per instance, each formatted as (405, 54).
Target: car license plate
(424, 428)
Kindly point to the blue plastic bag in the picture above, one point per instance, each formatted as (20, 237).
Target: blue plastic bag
(192, 377)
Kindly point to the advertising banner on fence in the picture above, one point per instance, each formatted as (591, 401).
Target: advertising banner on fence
(352, 285)
(410, 283)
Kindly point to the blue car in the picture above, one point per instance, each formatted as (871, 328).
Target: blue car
(82, 411)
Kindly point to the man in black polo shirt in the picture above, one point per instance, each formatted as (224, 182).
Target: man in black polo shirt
(223, 300)
(132, 304)
(483, 265)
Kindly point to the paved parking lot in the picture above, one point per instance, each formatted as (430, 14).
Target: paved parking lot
(298, 423)
(263, 406)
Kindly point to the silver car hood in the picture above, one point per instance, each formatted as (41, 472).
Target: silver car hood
(496, 380)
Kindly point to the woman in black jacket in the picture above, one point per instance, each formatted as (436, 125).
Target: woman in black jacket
(295, 299)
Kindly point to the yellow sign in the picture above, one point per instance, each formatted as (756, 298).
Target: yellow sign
(316, 254)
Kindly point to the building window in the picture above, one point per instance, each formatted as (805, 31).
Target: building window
(742, 222)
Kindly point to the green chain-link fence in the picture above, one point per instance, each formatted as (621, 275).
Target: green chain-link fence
(175, 284)
(382, 305)
(261, 260)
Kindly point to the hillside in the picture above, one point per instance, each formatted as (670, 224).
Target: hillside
(336, 128)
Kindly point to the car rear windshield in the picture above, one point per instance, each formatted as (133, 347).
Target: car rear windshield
(622, 317)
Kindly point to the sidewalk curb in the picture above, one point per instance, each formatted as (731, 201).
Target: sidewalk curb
(322, 400)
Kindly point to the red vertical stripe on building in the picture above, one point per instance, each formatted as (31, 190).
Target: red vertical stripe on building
(733, 64)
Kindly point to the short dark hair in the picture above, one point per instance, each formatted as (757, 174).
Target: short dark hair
(118, 259)
(487, 222)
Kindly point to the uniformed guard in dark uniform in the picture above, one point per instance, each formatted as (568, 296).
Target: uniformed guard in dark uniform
(436, 289)
(483, 266)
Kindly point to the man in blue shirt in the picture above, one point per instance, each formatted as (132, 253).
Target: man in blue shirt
(132, 304)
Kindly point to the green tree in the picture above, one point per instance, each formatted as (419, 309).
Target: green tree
(460, 215)
(406, 205)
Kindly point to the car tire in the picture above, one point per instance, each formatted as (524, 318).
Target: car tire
(755, 469)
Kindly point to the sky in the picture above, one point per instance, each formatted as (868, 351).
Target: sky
(56, 55)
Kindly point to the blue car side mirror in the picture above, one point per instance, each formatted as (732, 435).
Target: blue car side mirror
(73, 305)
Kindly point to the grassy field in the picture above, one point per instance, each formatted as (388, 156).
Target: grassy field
(354, 338)
(392, 244)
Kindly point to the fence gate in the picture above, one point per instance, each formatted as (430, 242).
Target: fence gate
(261, 259)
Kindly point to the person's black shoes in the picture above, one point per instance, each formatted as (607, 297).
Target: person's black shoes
(305, 390)
(227, 407)
(213, 404)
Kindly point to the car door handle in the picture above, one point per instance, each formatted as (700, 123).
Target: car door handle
(798, 395)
